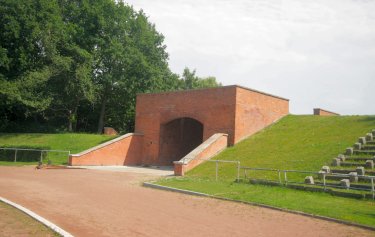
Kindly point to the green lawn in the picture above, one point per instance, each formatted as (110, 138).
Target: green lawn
(323, 204)
(297, 143)
(73, 142)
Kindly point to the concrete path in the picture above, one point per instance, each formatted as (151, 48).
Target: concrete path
(104, 203)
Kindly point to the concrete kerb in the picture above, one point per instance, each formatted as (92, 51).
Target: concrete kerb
(151, 184)
(42, 220)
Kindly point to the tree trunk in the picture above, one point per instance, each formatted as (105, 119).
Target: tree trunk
(75, 121)
(70, 122)
(102, 114)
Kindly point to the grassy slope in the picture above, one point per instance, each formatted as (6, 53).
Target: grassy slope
(73, 142)
(296, 142)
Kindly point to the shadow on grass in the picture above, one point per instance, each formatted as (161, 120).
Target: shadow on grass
(368, 119)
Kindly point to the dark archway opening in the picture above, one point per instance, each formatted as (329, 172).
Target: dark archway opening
(177, 138)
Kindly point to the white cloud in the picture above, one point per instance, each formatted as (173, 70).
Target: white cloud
(318, 53)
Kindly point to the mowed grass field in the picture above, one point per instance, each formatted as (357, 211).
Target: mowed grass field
(73, 142)
(294, 143)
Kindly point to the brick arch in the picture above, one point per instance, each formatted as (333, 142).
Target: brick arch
(178, 137)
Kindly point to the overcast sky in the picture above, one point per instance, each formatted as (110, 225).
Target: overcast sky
(318, 53)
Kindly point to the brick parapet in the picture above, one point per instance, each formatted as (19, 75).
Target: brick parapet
(323, 112)
(124, 150)
(208, 149)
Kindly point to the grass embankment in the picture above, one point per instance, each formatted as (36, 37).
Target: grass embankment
(294, 143)
(16, 223)
(73, 142)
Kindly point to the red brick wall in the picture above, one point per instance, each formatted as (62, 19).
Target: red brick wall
(214, 108)
(124, 150)
(323, 112)
(233, 110)
(214, 145)
(255, 111)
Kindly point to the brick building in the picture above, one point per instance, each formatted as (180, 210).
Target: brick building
(170, 125)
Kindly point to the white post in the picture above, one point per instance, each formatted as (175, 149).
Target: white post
(238, 171)
(285, 178)
(217, 169)
(324, 181)
(15, 156)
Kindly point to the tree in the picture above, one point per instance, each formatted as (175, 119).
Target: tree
(190, 81)
(78, 64)
(130, 59)
(41, 62)
(29, 33)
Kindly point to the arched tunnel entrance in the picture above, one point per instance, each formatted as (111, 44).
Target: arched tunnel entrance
(177, 138)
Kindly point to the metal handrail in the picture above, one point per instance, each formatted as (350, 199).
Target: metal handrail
(26, 149)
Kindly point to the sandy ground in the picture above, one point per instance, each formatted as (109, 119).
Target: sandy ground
(107, 203)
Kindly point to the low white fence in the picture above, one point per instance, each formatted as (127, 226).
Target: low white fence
(297, 177)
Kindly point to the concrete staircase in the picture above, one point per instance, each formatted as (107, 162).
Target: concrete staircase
(354, 168)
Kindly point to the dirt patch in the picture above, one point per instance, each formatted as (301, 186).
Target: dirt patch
(103, 203)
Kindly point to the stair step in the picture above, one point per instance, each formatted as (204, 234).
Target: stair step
(360, 152)
(370, 142)
(368, 147)
(347, 171)
(359, 158)
(333, 177)
(352, 164)
(352, 185)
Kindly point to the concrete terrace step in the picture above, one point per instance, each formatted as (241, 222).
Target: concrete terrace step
(366, 187)
(333, 177)
(368, 147)
(350, 158)
(352, 164)
(337, 191)
(347, 171)
(360, 152)
(370, 142)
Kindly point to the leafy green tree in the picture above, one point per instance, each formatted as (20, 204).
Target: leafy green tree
(78, 64)
(130, 59)
(29, 33)
(190, 81)
(42, 66)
